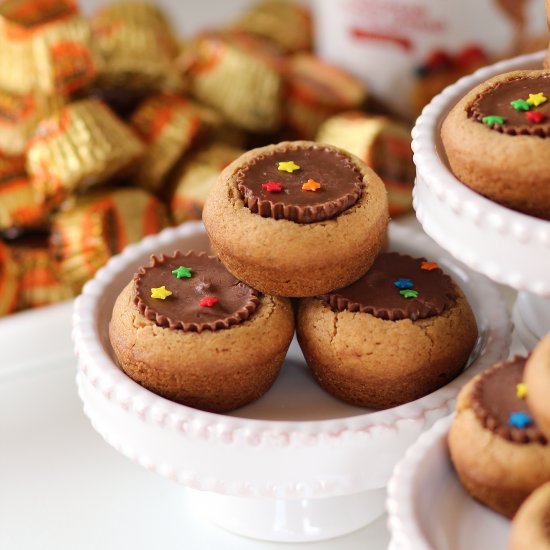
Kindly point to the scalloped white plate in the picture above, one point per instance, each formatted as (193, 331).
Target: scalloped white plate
(429, 510)
(295, 465)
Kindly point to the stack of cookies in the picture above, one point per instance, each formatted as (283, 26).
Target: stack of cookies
(293, 221)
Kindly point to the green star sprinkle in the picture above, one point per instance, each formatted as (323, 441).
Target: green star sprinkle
(408, 293)
(493, 119)
(182, 272)
(520, 105)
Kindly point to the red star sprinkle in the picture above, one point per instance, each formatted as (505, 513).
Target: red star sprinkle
(272, 187)
(534, 116)
(208, 301)
(428, 266)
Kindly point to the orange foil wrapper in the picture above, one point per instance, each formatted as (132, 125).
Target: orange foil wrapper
(20, 205)
(83, 144)
(9, 280)
(19, 116)
(316, 90)
(168, 125)
(194, 178)
(238, 75)
(46, 47)
(98, 225)
(286, 24)
(384, 145)
(39, 283)
(137, 48)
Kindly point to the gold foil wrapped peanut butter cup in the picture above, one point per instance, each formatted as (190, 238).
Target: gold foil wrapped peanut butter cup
(240, 76)
(46, 47)
(20, 205)
(194, 177)
(383, 144)
(136, 47)
(99, 225)
(169, 126)
(83, 144)
(9, 280)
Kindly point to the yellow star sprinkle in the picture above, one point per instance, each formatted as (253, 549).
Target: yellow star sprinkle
(287, 166)
(160, 293)
(521, 390)
(537, 99)
(311, 185)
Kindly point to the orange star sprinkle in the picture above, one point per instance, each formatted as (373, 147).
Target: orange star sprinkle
(428, 266)
(311, 185)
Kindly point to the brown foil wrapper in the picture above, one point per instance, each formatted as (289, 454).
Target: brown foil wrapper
(136, 47)
(315, 91)
(9, 280)
(81, 145)
(99, 225)
(46, 47)
(383, 144)
(169, 125)
(239, 76)
(39, 282)
(287, 24)
(195, 176)
(20, 205)
(19, 116)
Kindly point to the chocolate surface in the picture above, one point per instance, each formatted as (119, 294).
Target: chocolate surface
(494, 399)
(235, 303)
(496, 101)
(377, 294)
(340, 184)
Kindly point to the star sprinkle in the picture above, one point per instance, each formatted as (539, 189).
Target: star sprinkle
(272, 187)
(521, 390)
(208, 301)
(537, 99)
(428, 266)
(535, 116)
(403, 283)
(160, 293)
(182, 272)
(520, 105)
(287, 166)
(520, 420)
(311, 185)
(493, 119)
(407, 293)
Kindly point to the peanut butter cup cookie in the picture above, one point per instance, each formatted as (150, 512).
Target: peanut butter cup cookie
(401, 331)
(497, 448)
(531, 525)
(497, 141)
(537, 379)
(187, 330)
(297, 218)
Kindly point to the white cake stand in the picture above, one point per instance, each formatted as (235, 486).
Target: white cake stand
(508, 247)
(297, 465)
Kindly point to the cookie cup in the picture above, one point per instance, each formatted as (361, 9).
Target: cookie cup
(292, 259)
(495, 471)
(510, 170)
(217, 370)
(537, 379)
(354, 356)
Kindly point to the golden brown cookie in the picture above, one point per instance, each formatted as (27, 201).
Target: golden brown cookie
(495, 442)
(186, 329)
(497, 140)
(297, 218)
(537, 380)
(531, 525)
(396, 334)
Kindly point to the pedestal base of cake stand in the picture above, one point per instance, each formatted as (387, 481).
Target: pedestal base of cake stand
(282, 520)
(531, 316)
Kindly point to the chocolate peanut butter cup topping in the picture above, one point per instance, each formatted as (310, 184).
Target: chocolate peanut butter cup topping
(303, 184)
(498, 401)
(397, 287)
(192, 292)
(515, 107)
